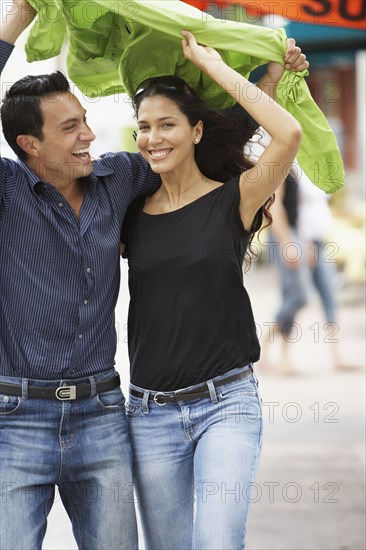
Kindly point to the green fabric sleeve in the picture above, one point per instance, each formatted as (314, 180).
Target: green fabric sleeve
(48, 32)
(318, 155)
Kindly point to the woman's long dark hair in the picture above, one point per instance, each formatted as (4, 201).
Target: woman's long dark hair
(220, 153)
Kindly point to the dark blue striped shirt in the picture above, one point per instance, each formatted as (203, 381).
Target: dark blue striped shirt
(59, 277)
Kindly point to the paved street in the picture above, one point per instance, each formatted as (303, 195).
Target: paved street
(311, 481)
(310, 489)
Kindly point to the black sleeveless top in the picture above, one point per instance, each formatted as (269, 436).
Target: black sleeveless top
(190, 317)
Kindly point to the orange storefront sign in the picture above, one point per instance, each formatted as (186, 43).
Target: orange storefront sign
(340, 13)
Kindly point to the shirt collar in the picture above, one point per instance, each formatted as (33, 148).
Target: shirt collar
(31, 176)
(100, 169)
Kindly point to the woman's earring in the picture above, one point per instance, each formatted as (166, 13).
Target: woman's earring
(196, 140)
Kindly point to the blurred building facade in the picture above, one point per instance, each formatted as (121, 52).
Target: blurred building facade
(337, 82)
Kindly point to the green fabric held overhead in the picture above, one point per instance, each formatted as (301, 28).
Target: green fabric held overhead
(115, 45)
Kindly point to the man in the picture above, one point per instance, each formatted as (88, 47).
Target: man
(60, 224)
(62, 410)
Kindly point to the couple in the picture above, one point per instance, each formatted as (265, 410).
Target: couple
(194, 410)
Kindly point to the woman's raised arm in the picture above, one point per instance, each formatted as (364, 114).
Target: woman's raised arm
(258, 183)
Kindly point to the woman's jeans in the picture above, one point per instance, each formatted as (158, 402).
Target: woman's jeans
(195, 463)
(82, 447)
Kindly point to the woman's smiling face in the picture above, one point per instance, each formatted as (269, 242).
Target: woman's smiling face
(165, 138)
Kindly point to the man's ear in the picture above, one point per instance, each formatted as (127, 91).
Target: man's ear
(29, 144)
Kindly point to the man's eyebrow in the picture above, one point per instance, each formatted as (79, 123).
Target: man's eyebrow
(67, 121)
(72, 119)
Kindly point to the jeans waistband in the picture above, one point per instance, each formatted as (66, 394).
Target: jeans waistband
(190, 393)
(62, 389)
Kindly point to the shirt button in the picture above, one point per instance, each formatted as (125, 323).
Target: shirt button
(85, 302)
(88, 270)
(60, 204)
(80, 336)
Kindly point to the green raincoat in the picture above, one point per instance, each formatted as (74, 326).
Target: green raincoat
(114, 45)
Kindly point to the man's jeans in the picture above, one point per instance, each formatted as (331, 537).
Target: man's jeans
(195, 465)
(80, 446)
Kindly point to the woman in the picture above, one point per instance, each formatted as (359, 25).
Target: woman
(194, 409)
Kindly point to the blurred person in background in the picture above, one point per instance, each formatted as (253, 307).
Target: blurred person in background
(304, 259)
(285, 250)
(315, 228)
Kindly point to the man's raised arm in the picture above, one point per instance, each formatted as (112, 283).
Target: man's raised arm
(294, 60)
(16, 16)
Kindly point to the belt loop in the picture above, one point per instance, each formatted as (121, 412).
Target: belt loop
(25, 383)
(212, 390)
(253, 373)
(145, 402)
(93, 386)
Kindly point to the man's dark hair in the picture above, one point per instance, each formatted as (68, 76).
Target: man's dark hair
(20, 110)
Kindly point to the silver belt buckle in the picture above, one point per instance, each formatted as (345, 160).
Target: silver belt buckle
(156, 397)
(66, 392)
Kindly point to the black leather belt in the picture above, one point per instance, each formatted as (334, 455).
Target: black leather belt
(66, 392)
(162, 398)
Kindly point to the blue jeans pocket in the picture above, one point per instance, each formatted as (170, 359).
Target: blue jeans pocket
(247, 387)
(111, 399)
(132, 409)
